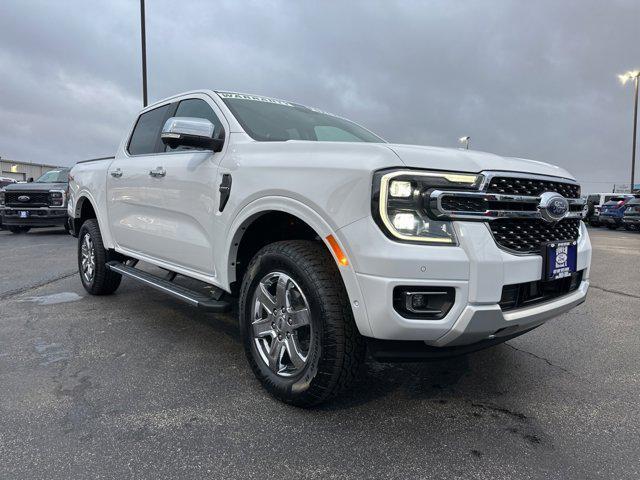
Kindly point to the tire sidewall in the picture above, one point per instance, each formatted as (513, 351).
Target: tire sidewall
(283, 387)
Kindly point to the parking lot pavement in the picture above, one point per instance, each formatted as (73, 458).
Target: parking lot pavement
(136, 385)
(34, 258)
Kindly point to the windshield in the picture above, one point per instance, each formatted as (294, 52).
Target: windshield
(267, 119)
(55, 176)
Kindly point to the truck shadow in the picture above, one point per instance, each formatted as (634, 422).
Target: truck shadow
(438, 381)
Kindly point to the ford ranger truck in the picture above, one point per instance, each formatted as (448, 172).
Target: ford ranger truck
(330, 240)
(38, 204)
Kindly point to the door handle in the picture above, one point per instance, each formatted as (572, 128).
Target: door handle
(117, 173)
(158, 172)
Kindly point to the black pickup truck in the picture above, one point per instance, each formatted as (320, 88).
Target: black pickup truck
(42, 203)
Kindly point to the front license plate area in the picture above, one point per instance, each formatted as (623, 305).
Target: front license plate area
(23, 214)
(559, 259)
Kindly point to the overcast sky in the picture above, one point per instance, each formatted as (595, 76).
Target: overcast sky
(533, 79)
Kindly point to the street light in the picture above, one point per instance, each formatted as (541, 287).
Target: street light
(143, 37)
(624, 78)
(465, 140)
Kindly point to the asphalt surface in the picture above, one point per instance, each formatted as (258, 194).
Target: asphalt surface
(137, 385)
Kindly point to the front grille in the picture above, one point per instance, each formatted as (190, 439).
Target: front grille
(531, 187)
(527, 235)
(35, 198)
(526, 294)
(464, 204)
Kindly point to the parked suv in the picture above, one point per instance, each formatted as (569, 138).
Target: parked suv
(594, 204)
(611, 212)
(328, 238)
(42, 203)
(631, 217)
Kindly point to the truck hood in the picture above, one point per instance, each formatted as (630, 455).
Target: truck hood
(459, 160)
(35, 187)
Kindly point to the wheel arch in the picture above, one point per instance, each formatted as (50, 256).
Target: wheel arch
(85, 208)
(246, 236)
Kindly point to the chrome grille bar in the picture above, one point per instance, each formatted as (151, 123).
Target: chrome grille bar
(435, 200)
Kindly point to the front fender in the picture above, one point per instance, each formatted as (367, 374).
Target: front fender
(228, 252)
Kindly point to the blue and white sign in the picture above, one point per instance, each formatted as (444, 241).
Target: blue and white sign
(561, 259)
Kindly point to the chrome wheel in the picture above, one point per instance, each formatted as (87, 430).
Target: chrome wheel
(281, 324)
(88, 258)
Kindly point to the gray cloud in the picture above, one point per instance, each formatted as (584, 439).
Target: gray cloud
(530, 79)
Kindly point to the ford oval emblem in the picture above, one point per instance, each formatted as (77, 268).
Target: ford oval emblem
(24, 198)
(553, 207)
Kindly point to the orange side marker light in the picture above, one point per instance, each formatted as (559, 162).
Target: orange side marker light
(337, 251)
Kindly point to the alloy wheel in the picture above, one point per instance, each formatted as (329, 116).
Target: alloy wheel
(281, 324)
(88, 258)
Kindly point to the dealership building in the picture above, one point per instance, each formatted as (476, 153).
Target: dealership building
(23, 171)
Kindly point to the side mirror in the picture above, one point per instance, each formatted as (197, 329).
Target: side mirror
(190, 132)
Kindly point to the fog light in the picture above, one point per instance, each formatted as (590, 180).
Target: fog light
(423, 302)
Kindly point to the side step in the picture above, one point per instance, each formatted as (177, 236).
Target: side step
(192, 297)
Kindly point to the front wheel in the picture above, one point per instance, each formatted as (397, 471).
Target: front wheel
(297, 326)
(19, 229)
(96, 278)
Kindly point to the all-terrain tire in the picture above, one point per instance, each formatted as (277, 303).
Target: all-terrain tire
(337, 346)
(102, 281)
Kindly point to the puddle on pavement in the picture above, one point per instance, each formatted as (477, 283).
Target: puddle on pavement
(51, 352)
(54, 298)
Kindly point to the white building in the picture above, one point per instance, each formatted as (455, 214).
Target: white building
(22, 171)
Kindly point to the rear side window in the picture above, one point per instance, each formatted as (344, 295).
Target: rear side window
(146, 134)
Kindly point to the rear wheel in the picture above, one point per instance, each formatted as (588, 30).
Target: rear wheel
(19, 229)
(296, 322)
(96, 278)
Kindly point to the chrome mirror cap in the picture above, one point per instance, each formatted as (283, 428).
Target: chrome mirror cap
(177, 126)
(190, 132)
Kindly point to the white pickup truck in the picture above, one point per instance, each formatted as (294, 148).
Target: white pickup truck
(330, 240)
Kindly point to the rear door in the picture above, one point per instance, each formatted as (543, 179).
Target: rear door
(133, 218)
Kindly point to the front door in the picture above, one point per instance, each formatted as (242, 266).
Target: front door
(163, 203)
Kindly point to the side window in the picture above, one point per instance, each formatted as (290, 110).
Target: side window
(147, 131)
(197, 108)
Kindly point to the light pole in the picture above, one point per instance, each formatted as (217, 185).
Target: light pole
(465, 140)
(624, 78)
(144, 55)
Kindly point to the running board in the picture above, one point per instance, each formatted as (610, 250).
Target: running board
(192, 297)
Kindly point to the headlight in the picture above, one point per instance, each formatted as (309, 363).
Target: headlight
(2, 198)
(56, 198)
(400, 207)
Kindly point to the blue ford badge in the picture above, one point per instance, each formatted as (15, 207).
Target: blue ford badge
(553, 207)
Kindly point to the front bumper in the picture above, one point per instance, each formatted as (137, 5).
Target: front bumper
(477, 269)
(37, 217)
